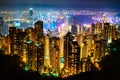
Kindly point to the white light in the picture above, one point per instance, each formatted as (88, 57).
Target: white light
(104, 15)
(31, 8)
(63, 24)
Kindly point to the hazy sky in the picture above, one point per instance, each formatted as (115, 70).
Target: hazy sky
(61, 3)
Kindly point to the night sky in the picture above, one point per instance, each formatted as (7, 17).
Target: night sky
(61, 3)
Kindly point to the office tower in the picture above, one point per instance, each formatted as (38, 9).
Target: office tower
(93, 28)
(74, 27)
(1, 25)
(106, 31)
(31, 16)
(31, 11)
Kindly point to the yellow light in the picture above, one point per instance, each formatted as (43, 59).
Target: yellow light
(82, 45)
(109, 40)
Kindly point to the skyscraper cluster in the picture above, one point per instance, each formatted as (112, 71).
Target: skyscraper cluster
(80, 48)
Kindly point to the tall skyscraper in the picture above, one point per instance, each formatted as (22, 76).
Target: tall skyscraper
(106, 31)
(74, 27)
(1, 24)
(67, 50)
(31, 16)
(93, 28)
(31, 11)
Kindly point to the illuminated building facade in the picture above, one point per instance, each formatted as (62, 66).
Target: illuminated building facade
(108, 35)
(55, 54)
(12, 31)
(30, 33)
(68, 39)
(39, 51)
(17, 42)
(40, 43)
(118, 31)
(74, 60)
(100, 49)
(67, 51)
(35, 47)
(1, 41)
(61, 47)
(47, 51)
(31, 55)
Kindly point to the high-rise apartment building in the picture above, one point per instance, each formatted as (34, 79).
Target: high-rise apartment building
(38, 30)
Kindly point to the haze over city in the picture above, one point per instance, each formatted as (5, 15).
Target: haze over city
(114, 4)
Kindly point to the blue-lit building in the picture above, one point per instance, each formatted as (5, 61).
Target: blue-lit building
(31, 11)
(31, 16)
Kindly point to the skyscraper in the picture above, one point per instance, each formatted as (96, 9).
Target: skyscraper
(74, 27)
(1, 25)
(55, 54)
(31, 57)
(40, 45)
(38, 30)
(12, 31)
(31, 11)
(75, 59)
(31, 16)
(39, 49)
(67, 50)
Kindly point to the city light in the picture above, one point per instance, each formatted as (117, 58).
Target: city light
(57, 43)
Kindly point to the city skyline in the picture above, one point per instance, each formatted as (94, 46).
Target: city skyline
(68, 55)
(60, 38)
